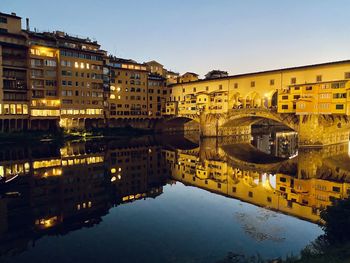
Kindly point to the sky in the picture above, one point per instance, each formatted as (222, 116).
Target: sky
(237, 36)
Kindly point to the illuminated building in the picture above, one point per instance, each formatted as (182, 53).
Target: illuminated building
(157, 95)
(43, 81)
(14, 97)
(81, 70)
(312, 89)
(128, 89)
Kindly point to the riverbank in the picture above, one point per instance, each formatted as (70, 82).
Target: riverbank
(59, 135)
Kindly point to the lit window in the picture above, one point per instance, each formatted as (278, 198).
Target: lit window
(12, 108)
(81, 65)
(112, 96)
(76, 64)
(112, 88)
(119, 97)
(87, 65)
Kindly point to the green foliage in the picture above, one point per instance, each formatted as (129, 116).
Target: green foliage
(337, 222)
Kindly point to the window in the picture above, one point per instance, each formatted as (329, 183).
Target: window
(194, 89)
(220, 87)
(272, 82)
(250, 194)
(3, 20)
(235, 86)
(252, 84)
(269, 199)
(206, 88)
(66, 63)
(66, 73)
(50, 63)
(338, 85)
(284, 107)
(339, 95)
(293, 80)
(336, 189)
(318, 78)
(308, 88)
(234, 189)
(347, 75)
(285, 97)
(339, 106)
(50, 83)
(283, 179)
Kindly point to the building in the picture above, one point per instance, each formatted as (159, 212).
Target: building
(155, 67)
(81, 71)
(312, 89)
(43, 81)
(157, 95)
(14, 89)
(53, 79)
(128, 94)
(188, 77)
(171, 77)
(327, 97)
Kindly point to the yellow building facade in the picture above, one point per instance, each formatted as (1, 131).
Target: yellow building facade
(128, 89)
(320, 88)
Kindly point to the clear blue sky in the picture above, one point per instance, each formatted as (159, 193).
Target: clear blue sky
(199, 35)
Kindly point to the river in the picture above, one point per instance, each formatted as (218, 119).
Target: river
(166, 199)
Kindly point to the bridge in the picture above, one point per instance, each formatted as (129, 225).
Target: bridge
(313, 130)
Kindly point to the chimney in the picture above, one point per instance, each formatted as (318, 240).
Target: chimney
(27, 24)
(14, 14)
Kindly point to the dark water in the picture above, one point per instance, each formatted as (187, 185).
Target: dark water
(169, 199)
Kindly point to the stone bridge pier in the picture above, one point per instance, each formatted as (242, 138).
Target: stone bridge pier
(313, 130)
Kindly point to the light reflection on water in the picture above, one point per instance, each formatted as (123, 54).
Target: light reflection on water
(165, 199)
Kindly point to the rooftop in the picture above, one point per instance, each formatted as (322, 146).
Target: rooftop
(191, 73)
(115, 59)
(266, 71)
(154, 62)
(13, 15)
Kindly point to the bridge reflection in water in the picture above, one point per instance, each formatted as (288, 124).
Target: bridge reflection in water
(55, 189)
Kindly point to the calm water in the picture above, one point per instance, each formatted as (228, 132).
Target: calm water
(167, 199)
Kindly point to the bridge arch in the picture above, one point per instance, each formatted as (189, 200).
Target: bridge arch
(245, 117)
(181, 123)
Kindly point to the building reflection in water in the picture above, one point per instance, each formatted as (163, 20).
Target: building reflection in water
(52, 190)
